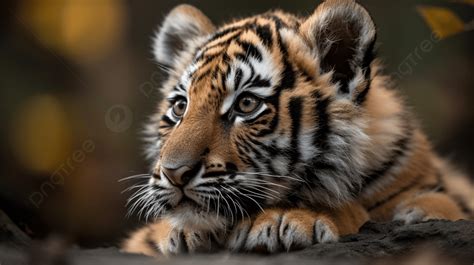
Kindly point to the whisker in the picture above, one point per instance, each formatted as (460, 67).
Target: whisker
(138, 176)
(258, 193)
(218, 206)
(259, 206)
(137, 194)
(165, 68)
(208, 202)
(133, 187)
(141, 200)
(259, 186)
(155, 209)
(258, 181)
(296, 178)
(237, 202)
(228, 205)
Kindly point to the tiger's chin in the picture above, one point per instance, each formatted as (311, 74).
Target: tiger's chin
(187, 213)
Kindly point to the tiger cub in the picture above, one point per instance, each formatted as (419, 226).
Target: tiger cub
(279, 132)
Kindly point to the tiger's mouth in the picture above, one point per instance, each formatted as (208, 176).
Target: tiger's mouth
(187, 202)
(191, 196)
(190, 207)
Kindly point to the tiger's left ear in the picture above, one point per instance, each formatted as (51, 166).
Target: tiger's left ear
(342, 34)
(181, 27)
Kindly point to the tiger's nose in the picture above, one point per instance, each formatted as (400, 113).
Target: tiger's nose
(178, 176)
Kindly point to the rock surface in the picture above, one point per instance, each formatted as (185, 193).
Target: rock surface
(10, 234)
(433, 242)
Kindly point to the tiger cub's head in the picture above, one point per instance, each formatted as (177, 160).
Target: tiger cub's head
(262, 111)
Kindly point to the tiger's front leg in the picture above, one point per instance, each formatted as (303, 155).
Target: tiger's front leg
(289, 229)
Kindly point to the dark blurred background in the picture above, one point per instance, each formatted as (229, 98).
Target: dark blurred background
(78, 80)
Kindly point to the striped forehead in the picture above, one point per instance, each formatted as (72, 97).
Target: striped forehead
(254, 74)
(242, 64)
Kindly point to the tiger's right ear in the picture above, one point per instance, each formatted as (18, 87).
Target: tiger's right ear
(342, 34)
(183, 25)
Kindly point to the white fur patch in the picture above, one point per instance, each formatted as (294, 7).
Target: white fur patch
(265, 235)
(409, 215)
(306, 146)
(291, 235)
(280, 164)
(323, 233)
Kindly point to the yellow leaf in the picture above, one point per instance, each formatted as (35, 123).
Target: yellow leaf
(443, 22)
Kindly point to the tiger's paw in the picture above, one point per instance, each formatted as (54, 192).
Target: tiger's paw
(161, 238)
(282, 230)
(182, 241)
(412, 215)
(426, 207)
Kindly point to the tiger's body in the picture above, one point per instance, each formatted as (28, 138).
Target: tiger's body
(280, 132)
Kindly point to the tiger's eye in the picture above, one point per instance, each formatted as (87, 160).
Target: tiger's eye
(179, 107)
(248, 104)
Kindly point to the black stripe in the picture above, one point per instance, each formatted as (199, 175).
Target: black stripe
(320, 164)
(295, 107)
(167, 120)
(307, 77)
(226, 31)
(320, 139)
(241, 146)
(265, 35)
(369, 56)
(201, 76)
(313, 181)
(366, 61)
(401, 148)
(255, 151)
(251, 77)
(287, 81)
(222, 44)
(288, 74)
(258, 81)
(288, 77)
(438, 186)
(395, 194)
(238, 78)
(271, 150)
(249, 50)
(207, 59)
(250, 162)
(179, 87)
(279, 23)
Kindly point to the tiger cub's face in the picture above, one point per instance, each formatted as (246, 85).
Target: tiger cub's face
(246, 120)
